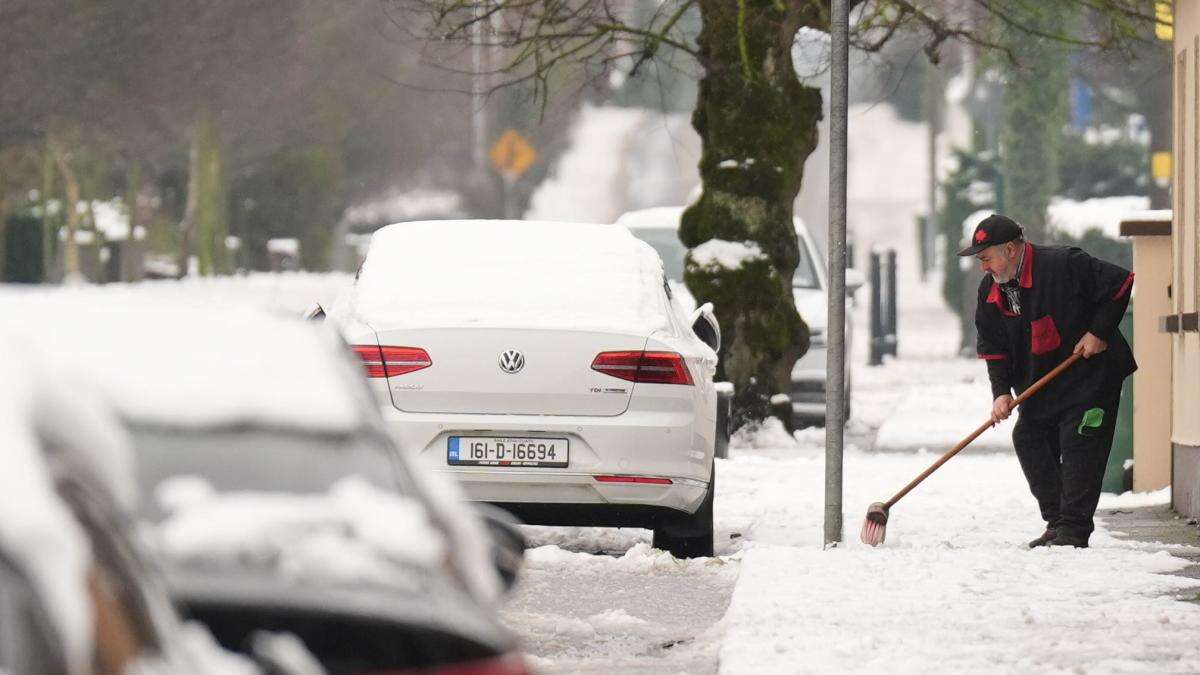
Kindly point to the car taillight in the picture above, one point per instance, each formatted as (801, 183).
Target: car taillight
(649, 367)
(392, 361)
(507, 664)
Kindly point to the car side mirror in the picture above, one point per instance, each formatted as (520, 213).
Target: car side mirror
(507, 542)
(854, 281)
(706, 327)
(315, 313)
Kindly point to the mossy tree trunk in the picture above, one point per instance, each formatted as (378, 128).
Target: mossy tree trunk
(1035, 108)
(758, 124)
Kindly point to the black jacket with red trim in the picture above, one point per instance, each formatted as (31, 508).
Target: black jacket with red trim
(1064, 294)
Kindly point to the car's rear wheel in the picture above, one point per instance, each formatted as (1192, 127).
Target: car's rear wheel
(692, 536)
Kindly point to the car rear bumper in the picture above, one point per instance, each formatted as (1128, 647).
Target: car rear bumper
(661, 445)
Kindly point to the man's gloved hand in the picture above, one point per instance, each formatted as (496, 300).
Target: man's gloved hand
(1089, 346)
(1001, 408)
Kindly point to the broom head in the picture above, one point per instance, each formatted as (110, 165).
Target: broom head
(874, 528)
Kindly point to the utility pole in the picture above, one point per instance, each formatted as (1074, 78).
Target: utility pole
(479, 84)
(835, 364)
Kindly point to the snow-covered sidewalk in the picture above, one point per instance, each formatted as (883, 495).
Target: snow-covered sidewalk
(953, 589)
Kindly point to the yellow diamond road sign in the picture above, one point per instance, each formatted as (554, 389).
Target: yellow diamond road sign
(512, 155)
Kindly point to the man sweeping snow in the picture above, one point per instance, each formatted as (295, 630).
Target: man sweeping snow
(1038, 305)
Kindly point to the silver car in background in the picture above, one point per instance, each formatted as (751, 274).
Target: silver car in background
(659, 226)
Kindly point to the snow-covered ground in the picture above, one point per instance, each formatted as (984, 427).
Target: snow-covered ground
(952, 589)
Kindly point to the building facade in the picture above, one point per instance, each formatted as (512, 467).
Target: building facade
(1181, 322)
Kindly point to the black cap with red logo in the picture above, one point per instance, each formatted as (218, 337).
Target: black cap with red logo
(995, 229)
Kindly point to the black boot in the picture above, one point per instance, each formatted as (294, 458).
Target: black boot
(1064, 538)
(1046, 539)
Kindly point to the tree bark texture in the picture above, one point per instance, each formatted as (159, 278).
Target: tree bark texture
(758, 124)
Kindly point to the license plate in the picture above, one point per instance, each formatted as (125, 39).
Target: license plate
(504, 451)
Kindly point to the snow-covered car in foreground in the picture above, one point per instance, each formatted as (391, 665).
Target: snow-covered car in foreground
(77, 591)
(547, 367)
(277, 498)
(659, 226)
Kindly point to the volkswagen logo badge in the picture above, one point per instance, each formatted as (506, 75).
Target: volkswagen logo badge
(512, 361)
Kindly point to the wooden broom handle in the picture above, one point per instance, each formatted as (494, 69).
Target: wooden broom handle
(1030, 391)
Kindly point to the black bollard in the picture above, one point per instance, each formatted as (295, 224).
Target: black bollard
(876, 312)
(892, 297)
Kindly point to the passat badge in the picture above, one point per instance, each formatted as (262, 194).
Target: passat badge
(512, 361)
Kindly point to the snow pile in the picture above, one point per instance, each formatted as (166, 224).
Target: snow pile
(1133, 500)
(767, 434)
(184, 366)
(1105, 214)
(510, 274)
(730, 255)
(639, 558)
(352, 534)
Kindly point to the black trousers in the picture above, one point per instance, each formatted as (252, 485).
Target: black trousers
(1064, 456)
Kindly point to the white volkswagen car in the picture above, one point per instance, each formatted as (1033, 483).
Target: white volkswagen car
(659, 226)
(547, 367)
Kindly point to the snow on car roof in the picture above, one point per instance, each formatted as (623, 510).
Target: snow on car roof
(494, 273)
(188, 366)
(657, 217)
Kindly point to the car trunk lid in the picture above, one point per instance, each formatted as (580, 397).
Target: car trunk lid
(510, 371)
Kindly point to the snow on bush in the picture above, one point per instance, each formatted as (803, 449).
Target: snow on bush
(1132, 500)
(730, 255)
(1076, 218)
